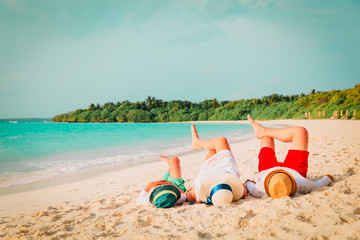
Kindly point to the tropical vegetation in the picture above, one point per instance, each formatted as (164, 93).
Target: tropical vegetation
(315, 104)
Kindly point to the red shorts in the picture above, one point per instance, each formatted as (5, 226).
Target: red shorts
(295, 159)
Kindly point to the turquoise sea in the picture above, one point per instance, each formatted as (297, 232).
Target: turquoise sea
(38, 149)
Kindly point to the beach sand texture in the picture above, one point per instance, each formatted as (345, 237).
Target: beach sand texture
(103, 207)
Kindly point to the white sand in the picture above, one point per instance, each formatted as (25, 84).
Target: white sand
(104, 206)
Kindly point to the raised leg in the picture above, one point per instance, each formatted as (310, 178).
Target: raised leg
(211, 153)
(213, 145)
(267, 142)
(298, 136)
(174, 166)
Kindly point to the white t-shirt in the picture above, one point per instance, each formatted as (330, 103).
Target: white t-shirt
(221, 163)
(304, 185)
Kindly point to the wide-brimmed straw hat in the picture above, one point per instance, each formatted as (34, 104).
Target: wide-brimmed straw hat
(280, 183)
(221, 189)
(165, 196)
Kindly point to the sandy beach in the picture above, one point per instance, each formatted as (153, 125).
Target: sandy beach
(103, 206)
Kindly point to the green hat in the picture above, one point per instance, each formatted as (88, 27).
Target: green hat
(165, 196)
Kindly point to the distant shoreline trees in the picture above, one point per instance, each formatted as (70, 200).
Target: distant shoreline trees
(270, 107)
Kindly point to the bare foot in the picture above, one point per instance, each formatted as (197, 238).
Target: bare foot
(165, 159)
(259, 130)
(195, 137)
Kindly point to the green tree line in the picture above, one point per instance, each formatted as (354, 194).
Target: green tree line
(274, 106)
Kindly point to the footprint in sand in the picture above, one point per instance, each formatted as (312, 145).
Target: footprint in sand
(143, 223)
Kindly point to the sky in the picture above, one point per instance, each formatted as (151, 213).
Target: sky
(61, 55)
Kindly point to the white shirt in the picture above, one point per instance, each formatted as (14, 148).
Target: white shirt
(304, 185)
(222, 162)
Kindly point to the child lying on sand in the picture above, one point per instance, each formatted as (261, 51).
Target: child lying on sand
(218, 181)
(168, 191)
(277, 179)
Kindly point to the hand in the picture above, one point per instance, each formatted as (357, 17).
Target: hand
(248, 180)
(245, 192)
(331, 177)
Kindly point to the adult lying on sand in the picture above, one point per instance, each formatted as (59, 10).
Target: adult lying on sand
(168, 191)
(277, 179)
(218, 181)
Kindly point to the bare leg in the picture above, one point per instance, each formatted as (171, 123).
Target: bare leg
(267, 142)
(216, 144)
(174, 166)
(210, 154)
(213, 145)
(298, 136)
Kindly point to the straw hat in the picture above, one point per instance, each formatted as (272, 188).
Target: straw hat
(221, 189)
(280, 183)
(164, 196)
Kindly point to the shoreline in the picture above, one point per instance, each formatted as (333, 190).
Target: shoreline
(94, 171)
(89, 173)
(76, 209)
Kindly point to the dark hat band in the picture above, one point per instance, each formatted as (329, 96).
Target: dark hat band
(217, 188)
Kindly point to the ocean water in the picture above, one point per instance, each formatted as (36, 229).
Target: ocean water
(38, 149)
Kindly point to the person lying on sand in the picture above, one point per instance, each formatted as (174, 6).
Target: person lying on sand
(168, 191)
(218, 181)
(277, 179)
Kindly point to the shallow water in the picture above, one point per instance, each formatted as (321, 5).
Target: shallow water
(32, 150)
